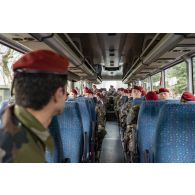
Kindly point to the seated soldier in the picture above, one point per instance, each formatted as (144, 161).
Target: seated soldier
(40, 82)
(163, 94)
(125, 109)
(88, 92)
(101, 121)
(73, 94)
(137, 92)
(94, 89)
(131, 122)
(151, 95)
(187, 96)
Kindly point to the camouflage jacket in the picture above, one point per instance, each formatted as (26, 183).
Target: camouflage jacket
(100, 113)
(133, 115)
(23, 138)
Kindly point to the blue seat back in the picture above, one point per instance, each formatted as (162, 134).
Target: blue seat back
(124, 99)
(54, 130)
(71, 131)
(146, 125)
(3, 105)
(92, 108)
(86, 119)
(175, 135)
(137, 101)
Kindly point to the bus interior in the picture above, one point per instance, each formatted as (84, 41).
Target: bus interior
(150, 60)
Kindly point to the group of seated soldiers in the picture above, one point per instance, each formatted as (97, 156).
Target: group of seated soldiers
(128, 113)
(100, 100)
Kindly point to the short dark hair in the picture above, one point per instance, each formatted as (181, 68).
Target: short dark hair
(35, 90)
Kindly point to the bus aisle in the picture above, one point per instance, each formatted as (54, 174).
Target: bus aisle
(112, 151)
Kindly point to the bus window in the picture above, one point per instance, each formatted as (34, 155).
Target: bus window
(7, 57)
(176, 79)
(146, 84)
(193, 62)
(156, 81)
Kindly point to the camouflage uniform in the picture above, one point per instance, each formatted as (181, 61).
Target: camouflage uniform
(124, 112)
(23, 138)
(130, 138)
(101, 132)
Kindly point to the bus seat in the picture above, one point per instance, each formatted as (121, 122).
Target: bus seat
(175, 136)
(124, 99)
(146, 127)
(87, 122)
(137, 101)
(3, 105)
(71, 131)
(58, 150)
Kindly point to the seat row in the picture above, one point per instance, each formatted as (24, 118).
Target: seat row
(166, 131)
(73, 132)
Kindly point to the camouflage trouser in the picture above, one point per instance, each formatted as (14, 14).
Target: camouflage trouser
(130, 142)
(99, 138)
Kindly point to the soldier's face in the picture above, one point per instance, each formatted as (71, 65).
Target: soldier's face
(136, 93)
(164, 96)
(72, 95)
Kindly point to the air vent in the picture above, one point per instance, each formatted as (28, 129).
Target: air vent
(111, 54)
(17, 39)
(111, 68)
(111, 72)
(111, 61)
(29, 39)
(177, 50)
(186, 50)
(111, 50)
(111, 34)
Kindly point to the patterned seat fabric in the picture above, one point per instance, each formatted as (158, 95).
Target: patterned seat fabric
(58, 150)
(124, 99)
(3, 105)
(175, 135)
(137, 101)
(146, 125)
(86, 120)
(71, 131)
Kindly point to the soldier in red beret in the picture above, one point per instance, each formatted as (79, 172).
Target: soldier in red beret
(187, 96)
(40, 81)
(163, 94)
(136, 91)
(73, 93)
(151, 95)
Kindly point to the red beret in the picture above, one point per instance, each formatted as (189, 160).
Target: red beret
(126, 91)
(143, 92)
(90, 91)
(99, 95)
(163, 90)
(87, 90)
(151, 95)
(42, 61)
(188, 96)
(138, 88)
(74, 91)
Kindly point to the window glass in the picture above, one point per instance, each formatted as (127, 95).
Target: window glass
(176, 79)
(193, 62)
(146, 84)
(156, 81)
(7, 57)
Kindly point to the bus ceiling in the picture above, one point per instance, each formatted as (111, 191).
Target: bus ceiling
(109, 56)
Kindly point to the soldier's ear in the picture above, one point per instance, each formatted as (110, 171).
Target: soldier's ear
(58, 94)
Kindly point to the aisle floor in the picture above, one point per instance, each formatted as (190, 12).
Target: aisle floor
(112, 151)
